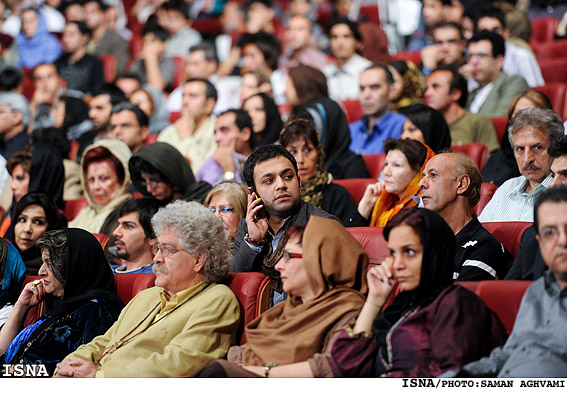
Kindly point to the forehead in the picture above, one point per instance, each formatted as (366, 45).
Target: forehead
(530, 135)
(197, 55)
(101, 99)
(559, 164)
(446, 32)
(488, 23)
(251, 49)
(374, 75)
(442, 163)
(551, 213)
(168, 237)
(440, 77)
(195, 87)
(275, 165)
(299, 22)
(482, 45)
(226, 120)
(122, 116)
(45, 70)
(130, 217)
(99, 167)
(72, 27)
(33, 210)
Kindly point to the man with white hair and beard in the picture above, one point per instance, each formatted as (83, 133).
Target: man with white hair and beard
(183, 323)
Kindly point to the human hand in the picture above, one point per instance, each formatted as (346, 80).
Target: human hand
(371, 195)
(256, 222)
(430, 56)
(223, 157)
(32, 294)
(78, 368)
(254, 369)
(64, 370)
(381, 281)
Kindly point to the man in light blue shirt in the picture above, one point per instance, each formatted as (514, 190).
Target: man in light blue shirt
(378, 123)
(530, 132)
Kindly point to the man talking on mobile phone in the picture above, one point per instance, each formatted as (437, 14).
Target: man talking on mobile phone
(274, 204)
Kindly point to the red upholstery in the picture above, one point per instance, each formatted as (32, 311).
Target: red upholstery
(109, 67)
(355, 186)
(284, 109)
(476, 151)
(374, 163)
(372, 241)
(550, 49)
(73, 150)
(370, 11)
(413, 56)
(543, 30)
(28, 86)
(553, 70)
(72, 207)
(173, 116)
(557, 94)
(128, 285)
(102, 239)
(252, 289)
(34, 312)
(487, 190)
(503, 297)
(499, 124)
(179, 71)
(151, 139)
(509, 233)
(352, 109)
(211, 26)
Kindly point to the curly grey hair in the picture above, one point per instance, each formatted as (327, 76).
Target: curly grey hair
(55, 244)
(199, 230)
(545, 120)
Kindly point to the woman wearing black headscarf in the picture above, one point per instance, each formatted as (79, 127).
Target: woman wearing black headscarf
(306, 92)
(77, 286)
(432, 325)
(266, 119)
(426, 125)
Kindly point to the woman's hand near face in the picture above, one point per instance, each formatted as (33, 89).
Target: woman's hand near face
(381, 281)
(371, 195)
(257, 225)
(32, 294)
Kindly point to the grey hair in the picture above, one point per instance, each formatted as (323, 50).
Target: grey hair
(17, 103)
(55, 244)
(545, 120)
(198, 230)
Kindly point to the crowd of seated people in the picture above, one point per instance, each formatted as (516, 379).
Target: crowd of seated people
(192, 142)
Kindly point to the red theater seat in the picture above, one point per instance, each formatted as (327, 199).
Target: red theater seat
(109, 67)
(476, 151)
(508, 233)
(487, 190)
(543, 30)
(500, 126)
(355, 186)
(413, 56)
(128, 285)
(102, 239)
(72, 207)
(372, 241)
(374, 163)
(557, 94)
(550, 49)
(553, 70)
(353, 110)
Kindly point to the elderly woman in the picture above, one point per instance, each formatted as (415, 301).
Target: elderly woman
(306, 92)
(300, 138)
(426, 125)
(159, 170)
(322, 270)
(228, 201)
(77, 286)
(12, 272)
(405, 160)
(105, 179)
(266, 119)
(34, 214)
(431, 326)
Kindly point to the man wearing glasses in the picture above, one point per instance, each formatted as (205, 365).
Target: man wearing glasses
(185, 321)
(447, 49)
(496, 89)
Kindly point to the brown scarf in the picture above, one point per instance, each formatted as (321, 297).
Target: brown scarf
(293, 330)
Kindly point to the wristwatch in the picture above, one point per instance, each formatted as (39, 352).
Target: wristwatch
(254, 242)
(228, 176)
(267, 368)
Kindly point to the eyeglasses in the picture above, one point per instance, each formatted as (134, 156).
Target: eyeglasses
(223, 210)
(479, 56)
(450, 42)
(551, 233)
(154, 182)
(288, 255)
(164, 249)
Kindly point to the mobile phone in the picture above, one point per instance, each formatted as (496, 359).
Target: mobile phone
(262, 213)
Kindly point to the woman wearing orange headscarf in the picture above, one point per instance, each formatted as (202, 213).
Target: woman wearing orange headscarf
(403, 167)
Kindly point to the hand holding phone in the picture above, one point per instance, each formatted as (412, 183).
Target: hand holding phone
(256, 216)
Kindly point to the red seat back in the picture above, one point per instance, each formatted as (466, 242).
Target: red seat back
(108, 66)
(151, 139)
(179, 71)
(102, 239)
(499, 124)
(553, 70)
(252, 289)
(543, 29)
(355, 186)
(374, 163)
(72, 207)
(352, 109)
(487, 190)
(557, 94)
(508, 233)
(550, 49)
(373, 242)
(128, 285)
(476, 151)
(412, 56)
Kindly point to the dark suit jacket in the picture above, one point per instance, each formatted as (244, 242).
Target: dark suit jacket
(529, 264)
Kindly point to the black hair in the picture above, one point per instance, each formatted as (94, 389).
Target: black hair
(177, 5)
(103, 6)
(558, 147)
(267, 43)
(54, 137)
(116, 95)
(381, 66)
(146, 207)
(208, 49)
(457, 82)
(158, 31)
(242, 119)
(83, 28)
(353, 26)
(128, 75)
(496, 40)
(141, 117)
(445, 25)
(210, 90)
(490, 12)
(10, 78)
(139, 165)
(555, 194)
(262, 154)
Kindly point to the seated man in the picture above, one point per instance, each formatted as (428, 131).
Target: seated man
(530, 132)
(15, 121)
(529, 264)
(183, 323)
(129, 124)
(537, 346)
(135, 236)
(451, 187)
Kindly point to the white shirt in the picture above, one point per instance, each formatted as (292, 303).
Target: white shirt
(343, 83)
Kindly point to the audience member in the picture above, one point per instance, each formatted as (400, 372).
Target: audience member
(13, 272)
(379, 122)
(135, 236)
(233, 135)
(300, 138)
(11, 77)
(447, 49)
(426, 125)
(159, 170)
(34, 42)
(496, 89)
(46, 95)
(19, 169)
(274, 204)
(129, 124)
(254, 82)
(193, 133)
(421, 333)
(447, 92)
(432, 14)
(80, 70)
(345, 45)
(408, 86)
(80, 301)
(451, 187)
(182, 36)
(322, 270)
(14, 109)
(200, 316)
(403, 168)
(530, 133)
(535, 349)
(144, 100)
(306, 92)
(266, 120)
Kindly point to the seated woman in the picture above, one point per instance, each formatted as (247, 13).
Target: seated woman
(426, 125)
(105, 180)
(409, 84)
(254, 82)
(144, 100)
(77, 286)
(159, 170)
(404, 164)
(266, 119)
(322, 270)
(306, 93)
(228, 201)
(431, 326)
(12, 272)
(34, 214)
(300, 138)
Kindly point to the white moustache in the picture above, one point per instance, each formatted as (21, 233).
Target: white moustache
(158, 267)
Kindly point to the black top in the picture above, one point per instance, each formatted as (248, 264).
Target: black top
(17, 143)
(338, 202)
(479, 255)
(529, 264)
(85, 75)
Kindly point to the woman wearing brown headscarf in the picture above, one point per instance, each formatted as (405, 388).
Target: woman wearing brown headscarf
(323, 271)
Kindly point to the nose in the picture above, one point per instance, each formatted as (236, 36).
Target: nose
(217, 213)
(527, 156)
(280, 266)
(299, 157)
(423, 183)
(562, 240)
(399, 263)
(387, 169)
(280, 184)
(42, 270)
(117, 233)
(158, 258)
